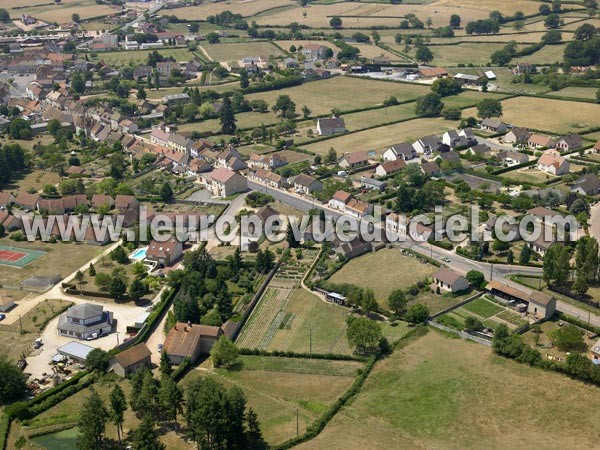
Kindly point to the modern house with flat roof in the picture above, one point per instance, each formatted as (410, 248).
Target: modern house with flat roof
(85, 321)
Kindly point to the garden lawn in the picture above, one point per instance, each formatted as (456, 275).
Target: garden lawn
(483, 308)
(383, 272)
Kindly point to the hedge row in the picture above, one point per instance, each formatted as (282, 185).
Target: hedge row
(316, 427)
(31, 408)
(580, 323)
(284, 354)
(4, 427)
(518, 166)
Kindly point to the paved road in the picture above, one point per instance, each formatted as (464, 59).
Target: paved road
(457, 262)
(595, 221)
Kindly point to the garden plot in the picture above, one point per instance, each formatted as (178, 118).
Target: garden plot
(488, 312)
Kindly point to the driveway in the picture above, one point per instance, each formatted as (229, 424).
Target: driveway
(123, 313)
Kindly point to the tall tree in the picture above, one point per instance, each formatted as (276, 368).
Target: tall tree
(171, 399)
(145, 436)
(290, 237)
(118, 406)
(92, 423)
(13, 381)
(227, 117)
(165, 367)
(363, 334)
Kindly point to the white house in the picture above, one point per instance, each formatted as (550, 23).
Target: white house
(551, 162)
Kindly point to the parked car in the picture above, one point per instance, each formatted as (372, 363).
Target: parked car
(2, 317)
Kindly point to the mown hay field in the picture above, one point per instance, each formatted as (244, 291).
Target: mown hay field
(430, 395)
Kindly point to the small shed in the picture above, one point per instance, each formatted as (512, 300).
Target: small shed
(541, 306)
(131, 360)
(76, 351)
(6, 303)
(336, 298)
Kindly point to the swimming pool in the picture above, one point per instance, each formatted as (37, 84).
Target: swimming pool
(139, 254)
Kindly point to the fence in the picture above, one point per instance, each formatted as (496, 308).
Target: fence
(233, 328)
(462, 334)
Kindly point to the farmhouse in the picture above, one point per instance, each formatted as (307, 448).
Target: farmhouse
(569, 142)
(314, 51)
(481, 150)
(430, 169)
(224, 182)
(327, 127)
(357, 208)
(537, 141)
(6, 303)
(102, 201)
(399, 151)
(267, 177)
(85, 321)
(551, 162)
(186, 340)
(427, 144)
(9, 222)
(589, 184)
(6, 199)
(512, 158)
(267, 162)
(390, 167)
(493, 124)
(372, 183)
(27, 201)
(339, 200)
(448, 280)
(433, 72)
(131, 360)
(541, 306)
(306, 184)
(518, 135)
(165, 253)
(353, 160)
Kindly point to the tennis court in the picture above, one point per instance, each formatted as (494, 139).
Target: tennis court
(17, 257)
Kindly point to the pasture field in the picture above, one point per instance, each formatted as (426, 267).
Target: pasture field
(236, 51)
(366, 15)
(577, 92)
(286, 44)
(345, 93)
(365, 119)
(35, 179)
(429, 395)
(383, 271)
(464, 53)
(381, 137)
(140, 57)
(553, 116)
(549, 54)
(248, 119)
(284, 388)
(371, 51)
(244, 7)
(527, 6)
(61, 13)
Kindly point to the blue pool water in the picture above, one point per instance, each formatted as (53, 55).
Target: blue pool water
(140, 253)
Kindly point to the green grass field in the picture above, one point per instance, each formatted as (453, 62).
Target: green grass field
(380, 138)
(554, 116)
(236, 51)
(140, 57)
(383, 272)
(284, 388)
(321, 96)
(449, 393)
(577, 92)
(483, 308)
